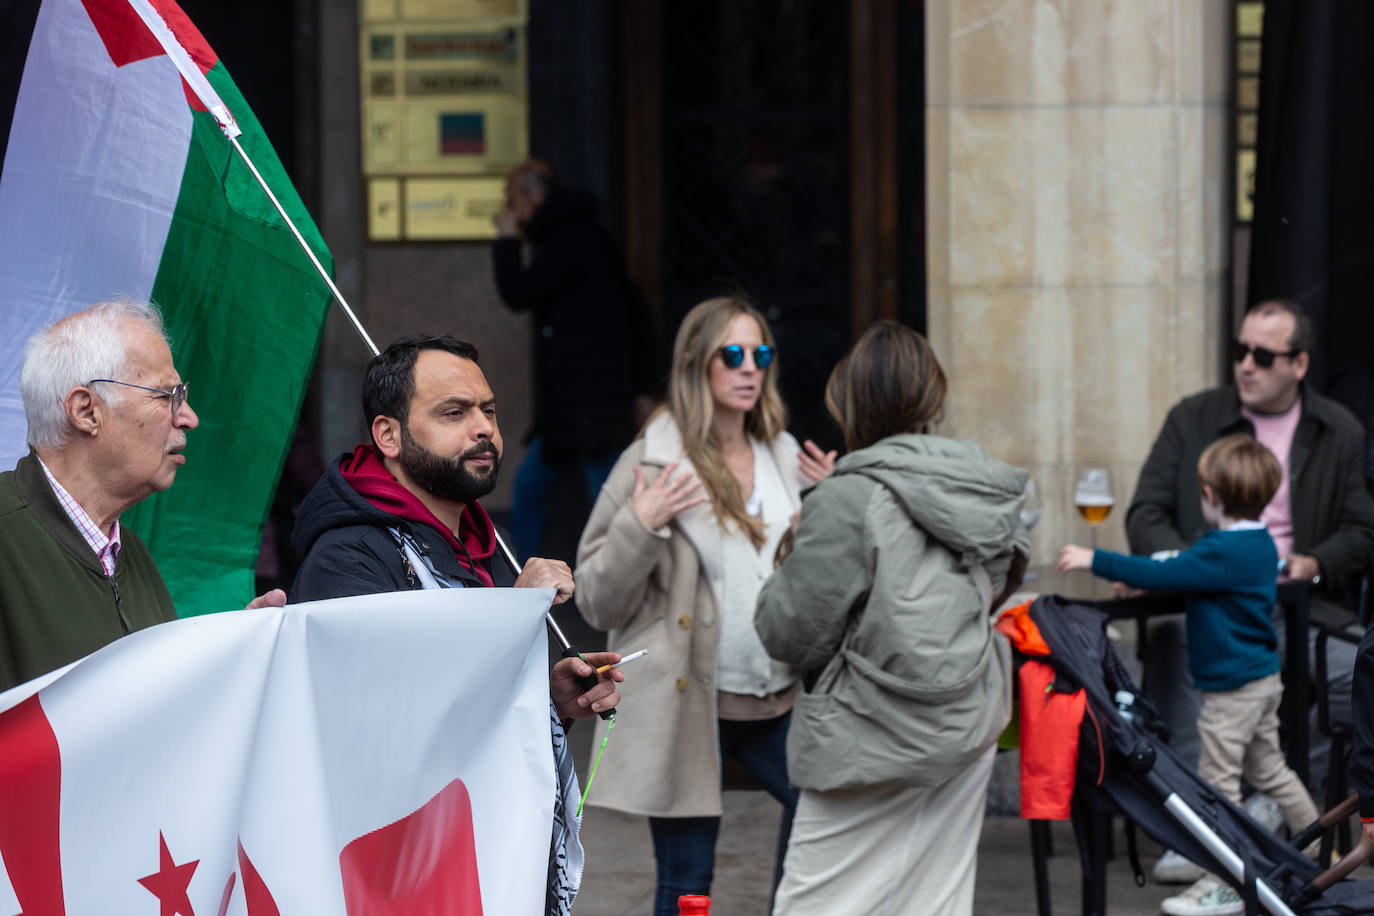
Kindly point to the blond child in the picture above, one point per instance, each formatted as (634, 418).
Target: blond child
(1229, 578)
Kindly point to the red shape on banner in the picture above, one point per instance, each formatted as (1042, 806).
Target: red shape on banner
(30, 792)
(169, 884)
(259, 899)
(424, 864)
(128, 40)
(228, 894)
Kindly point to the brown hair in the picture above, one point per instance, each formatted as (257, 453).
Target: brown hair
(693, 407)
(533, 176)
(890, 382)
(1303, 338)
(1243, 474)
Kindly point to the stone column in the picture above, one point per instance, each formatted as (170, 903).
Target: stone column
(1077, 188)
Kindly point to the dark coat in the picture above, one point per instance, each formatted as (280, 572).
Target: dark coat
(587, 351)
(1362, 714)
(1333, 515)
(56, 603)
(349, 551)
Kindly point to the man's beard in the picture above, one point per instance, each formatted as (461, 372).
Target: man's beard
(447, 478)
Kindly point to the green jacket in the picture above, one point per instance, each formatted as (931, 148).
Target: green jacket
(56, 604)
(880, 606)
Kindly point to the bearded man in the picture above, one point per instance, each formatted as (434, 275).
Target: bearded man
(402, 512)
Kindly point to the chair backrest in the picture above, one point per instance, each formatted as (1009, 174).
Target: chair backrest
(1365, 610)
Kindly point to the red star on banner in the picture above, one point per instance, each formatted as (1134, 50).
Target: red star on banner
(170, 883)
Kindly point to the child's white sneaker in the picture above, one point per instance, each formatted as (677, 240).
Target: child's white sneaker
(1264, 811)
(1172, 868)
(1206, 897)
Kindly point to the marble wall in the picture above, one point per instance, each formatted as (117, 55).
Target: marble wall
(1077, 229)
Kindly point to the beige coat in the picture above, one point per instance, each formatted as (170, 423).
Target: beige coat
(649, 591)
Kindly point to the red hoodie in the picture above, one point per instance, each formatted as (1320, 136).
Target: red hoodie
(476, 538)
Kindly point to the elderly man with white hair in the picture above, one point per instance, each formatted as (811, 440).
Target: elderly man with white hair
(107, 422)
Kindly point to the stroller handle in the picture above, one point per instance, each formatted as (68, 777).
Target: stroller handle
(1352, 859)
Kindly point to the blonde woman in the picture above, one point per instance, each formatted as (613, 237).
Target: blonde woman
(680, 540)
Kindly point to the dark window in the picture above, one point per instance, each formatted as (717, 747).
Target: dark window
(755, 182)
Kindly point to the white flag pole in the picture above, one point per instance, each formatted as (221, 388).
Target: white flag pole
(215, 105)
(319, 268)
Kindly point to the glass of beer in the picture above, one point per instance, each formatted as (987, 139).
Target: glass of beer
(1093, 497)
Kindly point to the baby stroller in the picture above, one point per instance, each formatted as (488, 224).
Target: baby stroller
(1124, 768)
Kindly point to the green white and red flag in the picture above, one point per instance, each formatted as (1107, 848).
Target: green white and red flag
(116, 180)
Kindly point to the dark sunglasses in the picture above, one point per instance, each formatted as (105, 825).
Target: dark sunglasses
(1264, 357)
(733, 356)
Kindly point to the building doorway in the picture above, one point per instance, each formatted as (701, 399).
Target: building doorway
(775, 148)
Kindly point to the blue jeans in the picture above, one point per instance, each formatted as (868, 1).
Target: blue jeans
(685, 847)
(535, 483)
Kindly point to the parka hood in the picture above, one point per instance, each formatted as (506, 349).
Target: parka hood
(950, 488)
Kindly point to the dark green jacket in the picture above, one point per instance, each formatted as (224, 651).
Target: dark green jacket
(56, 604)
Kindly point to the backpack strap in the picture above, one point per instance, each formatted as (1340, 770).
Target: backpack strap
(983, 582)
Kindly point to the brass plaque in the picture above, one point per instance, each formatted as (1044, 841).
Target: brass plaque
(462, 9)
(384, 209)
(1247, 129)
(1245, 185)
(459, 82)
(382, 84)
(381, 47)
(479, 46)
(1249, 19)
(1247, 92)
(445, 112)
(381, 134)
(1248, 56)
(379, 10)
(453, 208)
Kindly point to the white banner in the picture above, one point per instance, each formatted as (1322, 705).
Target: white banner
(386, 754)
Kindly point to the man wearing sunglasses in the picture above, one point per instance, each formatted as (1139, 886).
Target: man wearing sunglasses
(1321, 519)
(107, 424)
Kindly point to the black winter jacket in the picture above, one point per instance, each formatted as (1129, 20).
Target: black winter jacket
(349, 551)
(587, 358)
(1333, 515)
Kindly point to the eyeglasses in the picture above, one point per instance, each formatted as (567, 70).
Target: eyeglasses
(733, 356)
(1264, 357)
(177, 394)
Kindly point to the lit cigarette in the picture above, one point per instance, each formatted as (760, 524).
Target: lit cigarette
(629, 658)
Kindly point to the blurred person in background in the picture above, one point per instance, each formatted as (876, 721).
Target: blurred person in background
(595, 349)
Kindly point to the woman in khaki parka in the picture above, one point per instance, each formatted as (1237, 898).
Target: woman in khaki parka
(883, 608)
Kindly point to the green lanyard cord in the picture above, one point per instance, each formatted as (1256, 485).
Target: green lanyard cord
(610, 724)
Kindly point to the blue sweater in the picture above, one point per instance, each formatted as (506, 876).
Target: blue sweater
(1230, 578)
